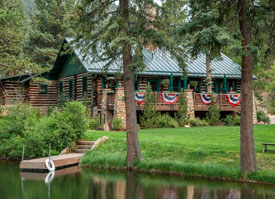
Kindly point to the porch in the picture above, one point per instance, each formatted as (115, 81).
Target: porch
(161, 105)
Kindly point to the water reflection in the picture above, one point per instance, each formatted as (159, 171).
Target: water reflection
(108, 185)
(74, 182)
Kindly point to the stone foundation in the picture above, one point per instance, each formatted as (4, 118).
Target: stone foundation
(190, 102)
(120, 107)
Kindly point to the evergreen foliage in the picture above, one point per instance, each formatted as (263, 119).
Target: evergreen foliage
(262, 117)
(49, 25)
(149, 112)
(213, 114)
(228, 120)
(12, 31)
(26, 126)
(181, 115)
(117, 124)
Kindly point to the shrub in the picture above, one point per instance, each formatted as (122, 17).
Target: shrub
(204, 123)
(93, 124)
(147, 119)
(59, 129)
(213, 114)
(173, 123)
(117, 124)
(17, 117)
(262, 117)
(77, 115)
(181, 114)
(198, 122)
(62, 100)
(165, 121)
(237, 120)
(228, 120)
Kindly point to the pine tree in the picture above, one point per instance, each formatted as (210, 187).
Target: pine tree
(245, 20)
(205, 33)
(118, 34)
(149, 112)
(12, 31)
(49, 25)
(182, 113)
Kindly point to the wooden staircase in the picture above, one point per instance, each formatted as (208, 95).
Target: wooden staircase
(83, 146)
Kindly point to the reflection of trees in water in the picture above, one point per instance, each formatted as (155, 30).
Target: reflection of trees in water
(205, 193)
(133, 186)
(247, 192)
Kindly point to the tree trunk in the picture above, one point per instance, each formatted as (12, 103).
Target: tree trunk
(208, 74)
(133, 150)
(248, 156)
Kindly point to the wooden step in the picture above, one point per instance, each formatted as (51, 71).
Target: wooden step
(80, 150)
(83, 142)
(84, 146)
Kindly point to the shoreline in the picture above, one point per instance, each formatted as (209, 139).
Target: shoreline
(174, 173)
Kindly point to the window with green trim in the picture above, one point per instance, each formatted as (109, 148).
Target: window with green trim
(137, 85)
(61, 87)
(84, 85)
(71, 89)
(154, 84)
(42, 88)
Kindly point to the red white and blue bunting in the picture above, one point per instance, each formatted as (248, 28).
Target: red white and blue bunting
(170, 98)
(206, 98)
(139, 97)
(233, 99)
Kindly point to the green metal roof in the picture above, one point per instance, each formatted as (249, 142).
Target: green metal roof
(19, 77)
(162, 63)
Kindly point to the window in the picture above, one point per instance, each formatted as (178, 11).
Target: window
(84, 85)
(71, 91)
(61, 87)
(42, 88)
(154, 84)
(137, 85)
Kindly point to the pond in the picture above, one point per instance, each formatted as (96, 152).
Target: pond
(77, 183)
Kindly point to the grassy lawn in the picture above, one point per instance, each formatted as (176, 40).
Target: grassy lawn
(208, 151)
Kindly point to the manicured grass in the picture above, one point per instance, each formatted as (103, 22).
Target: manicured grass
(207, 151)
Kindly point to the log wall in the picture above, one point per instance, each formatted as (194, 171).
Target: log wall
(78, 87)
(43, 99)
(13, 92)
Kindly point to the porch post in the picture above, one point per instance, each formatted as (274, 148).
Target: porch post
(185, 82)
(225, 84)
(200, 86)
(171, 82)
(217, 88)
(190, 102)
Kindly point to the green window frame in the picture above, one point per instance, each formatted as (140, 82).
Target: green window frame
(42, 88)
(61, 87)
(102, 83)
(217, 86)
(236, 86)
(84, 85)
(154, 80)
(71, 89)
(137, 85)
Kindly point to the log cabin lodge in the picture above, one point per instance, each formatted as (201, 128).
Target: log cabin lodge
(74, 77)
